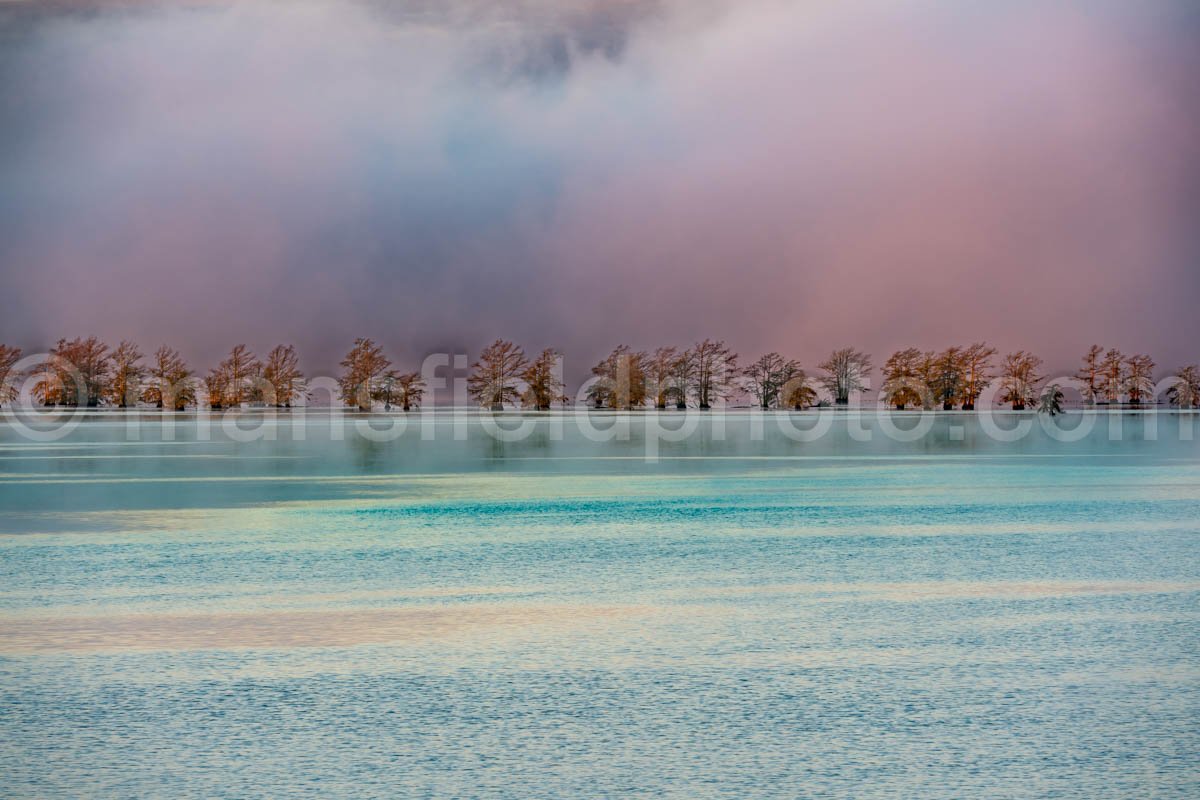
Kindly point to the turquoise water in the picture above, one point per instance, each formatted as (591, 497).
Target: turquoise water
(746, 616)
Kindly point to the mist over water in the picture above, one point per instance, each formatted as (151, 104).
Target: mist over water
(315, 602)
(787, 176)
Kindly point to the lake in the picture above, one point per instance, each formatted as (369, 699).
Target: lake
(600, 606)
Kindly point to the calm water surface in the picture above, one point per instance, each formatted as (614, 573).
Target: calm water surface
(745, 616)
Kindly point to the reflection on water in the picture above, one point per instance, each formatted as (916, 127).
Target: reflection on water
(951, 617)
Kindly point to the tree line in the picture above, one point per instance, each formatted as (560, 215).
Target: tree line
(88, 372)
(956, 377)
(708, 372)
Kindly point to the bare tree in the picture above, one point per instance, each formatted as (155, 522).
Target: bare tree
(127, 375)
(683, 378)
(404, 388)
(1113, 375)
(410, 388)
(847, 371)
(386, 390)
(949, 377)
(543, 381)
(659, 368)
(234, 378)
(1185, 390)
(1019, 379)
(495, 376)
(363, 370)
(49, 386)
(765, 378)
(9, 356)
(1091, 374)
(216, 387)
(1139, 379)
(928, 371)
(977, 367)
(169, 382)
(281, 372)
(903, 379)
(621, 380)
(716, 369)
(79, 372)
(797, 391)
(1051, 400)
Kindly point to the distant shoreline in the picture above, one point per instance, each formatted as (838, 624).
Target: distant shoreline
(476, 411)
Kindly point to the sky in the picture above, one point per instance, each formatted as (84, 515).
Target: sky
(791, 176)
